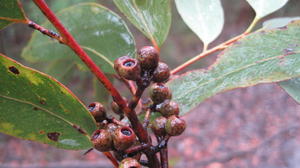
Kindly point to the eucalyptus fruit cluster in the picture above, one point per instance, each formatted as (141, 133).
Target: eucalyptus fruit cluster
(146, 71)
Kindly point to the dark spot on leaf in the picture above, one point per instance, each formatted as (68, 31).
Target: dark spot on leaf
(14, 70)
(288, 51)
(262, 32)
(282, 28)
(79, 129)
(35, 108)
(42, 101)
(42, 132)
(53, 136)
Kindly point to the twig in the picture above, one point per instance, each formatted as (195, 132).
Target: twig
(45, 31)
(206, 53)
(135, 149)
(164, 160)
(147, 118)
(112, 159)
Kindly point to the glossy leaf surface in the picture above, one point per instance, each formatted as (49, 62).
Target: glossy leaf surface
(153, 18)
(102, 34)
(262, 57)
(10, 12)
(34, 106)
(263, 7)
(204, 17)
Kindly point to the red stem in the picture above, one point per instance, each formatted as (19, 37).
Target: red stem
(112, 159)
(71, 42)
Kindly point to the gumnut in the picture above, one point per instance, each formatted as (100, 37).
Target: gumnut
(128, 68)
(168, 108)
(161, 73)
(175, 126)
(148, 57)
(158, 126)
(159, 93)
(123, 138)
(129, 163)
(102, 140)
(98, 111)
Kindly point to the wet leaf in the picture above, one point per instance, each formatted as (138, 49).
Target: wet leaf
(262, 57)
(204, 17)
(10, 13)
(102, 34)
(263, 8)
(292, 86)
(34, 106)
(153, 18)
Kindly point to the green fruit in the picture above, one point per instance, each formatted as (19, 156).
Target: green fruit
(129, 163)
(148, 57)
(98, 111)
(161, 73)
(159, 93)
(175, 126)
(128, 68)
(102, 140)
(158, 126)
(168, 108)
(123, 138)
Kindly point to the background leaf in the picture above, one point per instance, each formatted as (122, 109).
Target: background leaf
(292, 86)
(10, 12)
(36, 107)
(278, 22)
(102, 33)
(263, 8)
(34, 13)
(262, 57)
(204, 17)
(153, 18)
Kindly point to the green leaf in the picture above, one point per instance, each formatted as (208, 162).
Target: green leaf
(292, 86)
(102, 34)
(263, 8)
(278, 22)
(153, 18)
(204, 17)
(34, 13)
(262, 57)
(10, 13)
(36, 107)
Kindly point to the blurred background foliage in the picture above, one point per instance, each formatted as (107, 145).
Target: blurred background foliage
(180, 45)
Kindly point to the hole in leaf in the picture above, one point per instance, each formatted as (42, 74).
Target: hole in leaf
(14, 70)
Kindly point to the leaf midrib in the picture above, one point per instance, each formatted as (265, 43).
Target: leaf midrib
(237, 70)
(41, 108)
